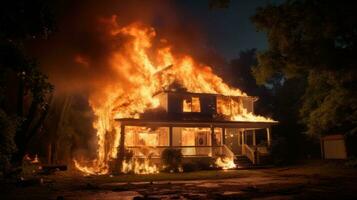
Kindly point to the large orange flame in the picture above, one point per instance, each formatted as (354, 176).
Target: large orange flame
(140, 70)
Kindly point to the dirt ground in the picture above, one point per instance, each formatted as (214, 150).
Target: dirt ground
(317, 180)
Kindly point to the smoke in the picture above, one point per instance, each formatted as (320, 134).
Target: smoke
(76, 56)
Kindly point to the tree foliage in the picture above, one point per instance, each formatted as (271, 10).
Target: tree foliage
(314, 40)
(242, 78)
(20, 22)
(7, 143)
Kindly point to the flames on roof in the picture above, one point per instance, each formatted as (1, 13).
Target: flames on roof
(143, 69)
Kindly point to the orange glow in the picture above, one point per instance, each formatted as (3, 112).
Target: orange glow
(186, 105)
(138, 167)
(139, 71)
(191, 105)
(33, 161)
(225, 163)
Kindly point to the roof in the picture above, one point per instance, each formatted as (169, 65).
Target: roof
(195, 123)
(204, 94)
(333, 137)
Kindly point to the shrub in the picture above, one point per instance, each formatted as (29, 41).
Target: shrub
(204, 163)
(280, 152)
(8, 127)
(172, 159)
(351, 163)
(351, 140)
(190, 167)
(198, 164)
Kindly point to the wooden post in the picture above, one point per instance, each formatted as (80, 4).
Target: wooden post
(254, 140)
(212, 138)
(268, 137)
(322, 148)
(243, 142)
(223, 136)
(121, 150)
(239, 136)
(212, 135)
(170, 136)
(49, 154)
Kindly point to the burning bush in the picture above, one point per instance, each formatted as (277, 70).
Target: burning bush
(172, 159)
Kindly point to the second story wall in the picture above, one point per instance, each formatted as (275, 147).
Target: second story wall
(204, 104)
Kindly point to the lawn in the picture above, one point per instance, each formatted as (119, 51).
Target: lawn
(313, 180)
(163, 176)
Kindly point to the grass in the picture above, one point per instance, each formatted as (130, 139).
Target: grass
(320, 168)
(198, 175)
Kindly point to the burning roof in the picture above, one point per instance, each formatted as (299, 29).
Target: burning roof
(142, 69)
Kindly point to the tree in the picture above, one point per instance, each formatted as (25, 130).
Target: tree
(7, 142)
(20, 22)
(316, 39)
(242, 78)
(279, 99)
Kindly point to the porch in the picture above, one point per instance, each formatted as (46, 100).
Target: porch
(148, 138)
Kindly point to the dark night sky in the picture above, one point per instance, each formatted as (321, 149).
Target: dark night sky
(228, 30)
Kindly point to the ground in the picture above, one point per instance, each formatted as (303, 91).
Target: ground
(315, 180)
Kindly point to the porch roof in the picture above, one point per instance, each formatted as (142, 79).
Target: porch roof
(195, 123)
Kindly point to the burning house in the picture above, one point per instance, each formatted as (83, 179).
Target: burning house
(140, 109)
(200, 125)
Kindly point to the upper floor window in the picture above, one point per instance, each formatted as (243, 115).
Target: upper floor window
(191, 104)
(229, 106)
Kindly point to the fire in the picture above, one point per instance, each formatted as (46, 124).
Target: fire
(140, 69)
(225, 163)
(138, 167)
(35, 160)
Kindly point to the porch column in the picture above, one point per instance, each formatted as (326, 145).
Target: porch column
(268, 136)
(121, 150)
(223, 136)
(212, 138)
(243, 142)
(254, 141)
(212, 135)
(170, 136)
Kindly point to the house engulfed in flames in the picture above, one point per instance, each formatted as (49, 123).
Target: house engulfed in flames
(201, 125)
(157, 98)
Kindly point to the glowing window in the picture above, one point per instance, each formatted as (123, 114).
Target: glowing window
(191, 105)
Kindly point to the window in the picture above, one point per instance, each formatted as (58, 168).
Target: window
(143, 136)
(191, 104)
(229, 106)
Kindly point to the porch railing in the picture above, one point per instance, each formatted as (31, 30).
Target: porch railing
(255, 153)
(250, 153)
(227, 152)
(156, 151)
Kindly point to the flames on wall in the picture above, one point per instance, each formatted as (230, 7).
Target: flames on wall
(144, 67)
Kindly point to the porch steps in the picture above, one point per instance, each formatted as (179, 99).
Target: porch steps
(242, 162)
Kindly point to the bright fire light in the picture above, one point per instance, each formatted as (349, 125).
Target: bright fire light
(140, 69)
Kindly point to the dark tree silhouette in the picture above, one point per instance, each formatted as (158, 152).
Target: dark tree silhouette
(25, 91)
(316, 39)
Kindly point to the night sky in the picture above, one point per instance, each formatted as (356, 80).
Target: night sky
(228, 30)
